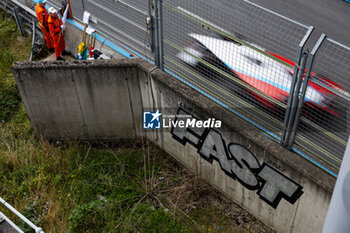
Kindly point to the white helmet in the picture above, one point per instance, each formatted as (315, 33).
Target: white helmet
(52, 10)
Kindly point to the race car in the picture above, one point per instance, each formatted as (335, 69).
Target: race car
(259, 71)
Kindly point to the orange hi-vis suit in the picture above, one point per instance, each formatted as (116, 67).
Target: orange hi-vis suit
(42, 16)
(57, 34)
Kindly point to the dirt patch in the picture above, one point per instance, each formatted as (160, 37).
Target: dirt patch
(21, 39)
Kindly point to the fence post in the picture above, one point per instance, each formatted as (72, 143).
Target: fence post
(150, 27)
(158, 33)
(292, 87)
(154, 22)
(303, 90)
(18, 19)
(33, 39)
(155, 32)
(295, 98)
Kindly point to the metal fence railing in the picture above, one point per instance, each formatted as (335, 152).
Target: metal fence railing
(124, 22)
(121, 21)
(327, 136)
(237, 71)
(25, 16)
(247, 58)
(20, 216)
(253, 61)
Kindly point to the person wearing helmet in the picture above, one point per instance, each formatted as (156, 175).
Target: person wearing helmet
(56, 29)
(42, 16)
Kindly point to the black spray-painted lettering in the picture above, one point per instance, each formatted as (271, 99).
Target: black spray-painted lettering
(190, 134)
(239, 163)
(247, 166)
(275, 185)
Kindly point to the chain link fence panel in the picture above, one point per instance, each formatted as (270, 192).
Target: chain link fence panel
(214, 47)
(327, 137)
(123, 22)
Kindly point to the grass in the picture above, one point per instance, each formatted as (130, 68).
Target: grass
(128, 186)
(12, 48)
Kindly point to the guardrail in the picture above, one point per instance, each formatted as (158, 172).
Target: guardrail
(22, 13)
(24, 16)
(13, 210)
(249, 59)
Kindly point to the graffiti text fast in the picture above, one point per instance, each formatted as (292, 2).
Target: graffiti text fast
(239, 163)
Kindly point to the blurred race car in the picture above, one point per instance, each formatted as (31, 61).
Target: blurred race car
(257, 70)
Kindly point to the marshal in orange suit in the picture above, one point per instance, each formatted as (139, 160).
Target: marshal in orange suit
(56, 30)
(42, 16)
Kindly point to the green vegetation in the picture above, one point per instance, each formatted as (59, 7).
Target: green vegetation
(128, 186)
(12, 48)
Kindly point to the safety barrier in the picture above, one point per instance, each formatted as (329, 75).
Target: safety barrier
(18, 214)
(24, 15)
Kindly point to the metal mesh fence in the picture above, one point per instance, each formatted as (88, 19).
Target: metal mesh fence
(121, 21)
(326, 136)
(333, 61)
(201, 47)
(251, 22)
(76, 5)
(77, 8)
(272, 31)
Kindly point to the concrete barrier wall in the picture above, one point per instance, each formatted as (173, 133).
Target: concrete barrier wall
(106, 100)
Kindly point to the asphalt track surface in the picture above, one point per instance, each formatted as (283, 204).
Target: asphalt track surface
(269, 31)
(331, 17)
